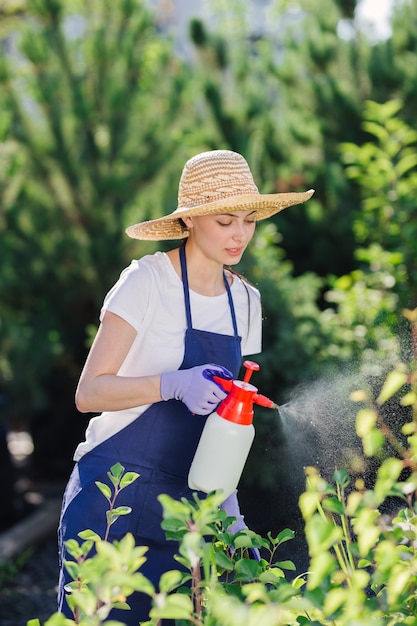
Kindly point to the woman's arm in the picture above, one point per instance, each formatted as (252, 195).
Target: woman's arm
(100, 388)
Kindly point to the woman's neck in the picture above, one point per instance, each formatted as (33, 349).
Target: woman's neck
(204, 275)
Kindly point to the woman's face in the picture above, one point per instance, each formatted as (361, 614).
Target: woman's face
(223, 238)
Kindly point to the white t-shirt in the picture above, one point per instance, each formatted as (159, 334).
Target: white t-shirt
(149, 295)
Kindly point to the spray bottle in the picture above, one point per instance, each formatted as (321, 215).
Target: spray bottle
(227, 436)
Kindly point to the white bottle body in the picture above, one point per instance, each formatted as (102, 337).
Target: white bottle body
(221, 455)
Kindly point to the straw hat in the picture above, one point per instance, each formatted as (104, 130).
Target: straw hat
(212, 183)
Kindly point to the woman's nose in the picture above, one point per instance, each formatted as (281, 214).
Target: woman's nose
(239, 232)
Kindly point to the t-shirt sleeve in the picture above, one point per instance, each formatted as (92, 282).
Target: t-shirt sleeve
(129, 297)
(252, 343)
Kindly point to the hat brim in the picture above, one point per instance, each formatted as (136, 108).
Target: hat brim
(170, 226)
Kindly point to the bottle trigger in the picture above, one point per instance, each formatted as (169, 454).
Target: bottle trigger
(225, 383)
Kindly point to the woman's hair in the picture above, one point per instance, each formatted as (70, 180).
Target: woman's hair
(235, 273)
(245, 283)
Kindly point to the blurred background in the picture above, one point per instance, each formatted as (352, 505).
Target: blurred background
(101, 104)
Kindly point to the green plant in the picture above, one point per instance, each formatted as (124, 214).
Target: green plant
(9, 567)
(386, 170)
(215, 567)
(220, 568)
(104, 580)
(363, 557)
(363, 561)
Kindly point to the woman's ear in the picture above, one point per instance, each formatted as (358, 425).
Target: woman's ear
(188, 221)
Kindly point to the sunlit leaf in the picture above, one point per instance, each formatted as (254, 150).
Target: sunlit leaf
(365, 421)
(393, 382)
(128, 479)
(105, 490)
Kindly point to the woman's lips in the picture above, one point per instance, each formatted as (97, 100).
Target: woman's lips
(234, 251)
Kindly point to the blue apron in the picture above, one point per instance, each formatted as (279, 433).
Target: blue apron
(160, 446)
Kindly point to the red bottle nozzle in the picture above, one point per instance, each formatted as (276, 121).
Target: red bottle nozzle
(264, 401)
(238, 405)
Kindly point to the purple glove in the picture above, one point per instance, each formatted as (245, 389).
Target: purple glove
(195, 387)
(231, 507)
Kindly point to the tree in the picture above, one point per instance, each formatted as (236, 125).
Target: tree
(285, 98)
(391, 69)
(89, 122)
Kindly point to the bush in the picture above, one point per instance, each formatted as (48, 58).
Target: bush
(363, 553)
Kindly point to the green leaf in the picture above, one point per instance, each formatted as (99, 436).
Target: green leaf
(117, 470)
(242, 540)
(288, 565)
(86, 546)
(309, 501)
(333, 505)
(406, 163)
(170, 580)
(176, 606)
(342, 478)
(372, 442)
(105, 490)
(399, 582)
(285, 535)
(393, 382)
(86, 600)
(365, 421)
(139, 582)
(322, 534)
(73, 548)
(73, 569)
(255, 592)
(246, 569)
(122, 510)
(116, 473)
(89, 535)
(57, 619)
(113, 516)
(390, 470)
(128, 479)
(273, 575)
(321, 567)
(409, 399)
(335, 598)
(223, 561)
(367, 530)
(173, 508)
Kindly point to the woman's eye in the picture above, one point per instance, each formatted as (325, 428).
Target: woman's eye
(248, 221)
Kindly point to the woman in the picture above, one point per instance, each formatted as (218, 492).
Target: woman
(171, 321)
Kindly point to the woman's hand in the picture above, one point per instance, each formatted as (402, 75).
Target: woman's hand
(195, 387)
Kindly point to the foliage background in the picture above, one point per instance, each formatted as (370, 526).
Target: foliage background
(99, 110)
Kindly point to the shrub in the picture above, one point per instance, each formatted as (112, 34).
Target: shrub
(363, 555)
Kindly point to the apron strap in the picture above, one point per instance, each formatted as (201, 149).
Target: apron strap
(232, 306)
(184, 275)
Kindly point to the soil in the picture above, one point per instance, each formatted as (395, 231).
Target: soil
(29, 558)
(28, 585)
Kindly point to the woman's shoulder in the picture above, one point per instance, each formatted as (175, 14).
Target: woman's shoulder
(138, 289)
(150, 264)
